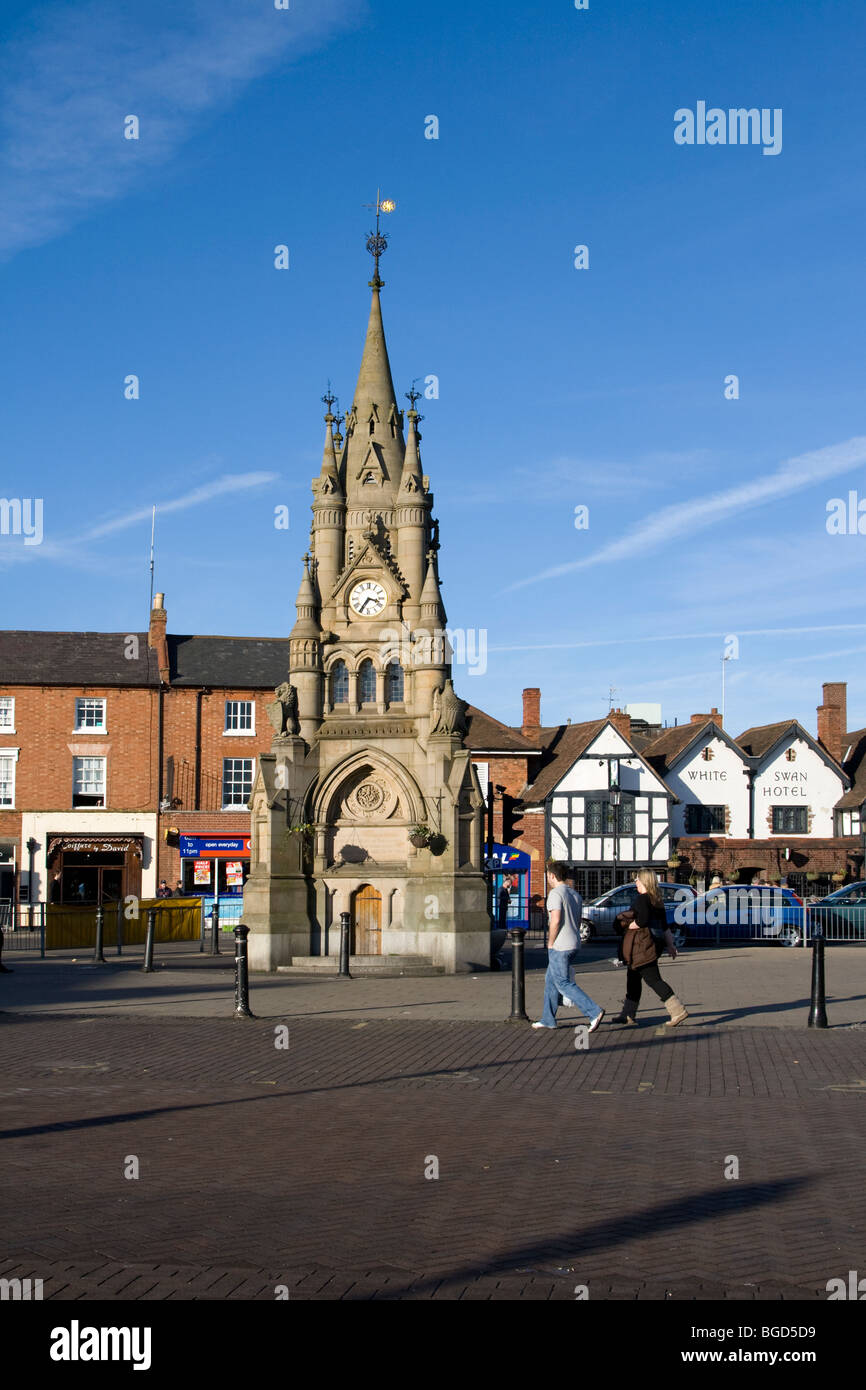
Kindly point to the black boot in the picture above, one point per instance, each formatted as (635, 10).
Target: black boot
(626, 1013)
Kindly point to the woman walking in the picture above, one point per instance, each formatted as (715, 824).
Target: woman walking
(641, 947)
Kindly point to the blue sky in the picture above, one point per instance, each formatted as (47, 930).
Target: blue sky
(557, 387)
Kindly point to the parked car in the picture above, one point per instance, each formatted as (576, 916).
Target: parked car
(599, 916)
(737, 911)
(841, 916)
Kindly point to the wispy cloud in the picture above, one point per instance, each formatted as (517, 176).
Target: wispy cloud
(78, 553)
(231, 482)
(71, 77)
(685, 518)
(799, 630)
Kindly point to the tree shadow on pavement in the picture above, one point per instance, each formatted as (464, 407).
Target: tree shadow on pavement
(711, 1205)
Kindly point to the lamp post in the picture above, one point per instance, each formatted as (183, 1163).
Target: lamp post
(615, 796)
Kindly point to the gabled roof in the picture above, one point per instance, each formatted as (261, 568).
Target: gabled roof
(855, 767)
(483, 731)
(672, 745)
(76, 658)
(764, 738)
(573, 741)
(760, 739)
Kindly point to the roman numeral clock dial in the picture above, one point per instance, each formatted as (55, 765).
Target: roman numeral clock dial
(367, 599)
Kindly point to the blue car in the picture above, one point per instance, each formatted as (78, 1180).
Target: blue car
(737, 912)
(841, 916)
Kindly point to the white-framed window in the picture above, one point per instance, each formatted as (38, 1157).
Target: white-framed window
(237, 783)
(89, 715)
(7, 714)
(88, 781)
(240, 717)
(8, 759)
(848, 822)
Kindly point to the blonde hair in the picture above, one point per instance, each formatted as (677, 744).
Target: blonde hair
(650, 882)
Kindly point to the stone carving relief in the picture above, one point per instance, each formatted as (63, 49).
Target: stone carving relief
(372, 799)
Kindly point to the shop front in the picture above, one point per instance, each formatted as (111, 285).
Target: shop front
(215, 864)
(93, 868)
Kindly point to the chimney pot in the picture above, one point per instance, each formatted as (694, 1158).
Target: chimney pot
(531, 711)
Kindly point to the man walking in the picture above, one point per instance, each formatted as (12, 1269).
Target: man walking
(564, 908)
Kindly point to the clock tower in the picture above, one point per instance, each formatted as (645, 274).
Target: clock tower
(368, 802)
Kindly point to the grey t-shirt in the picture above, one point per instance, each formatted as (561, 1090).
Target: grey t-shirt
(570, 904)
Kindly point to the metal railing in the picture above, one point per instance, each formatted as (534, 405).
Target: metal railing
(748, 915)
(23, 927)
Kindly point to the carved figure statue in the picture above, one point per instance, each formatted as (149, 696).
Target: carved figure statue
(283, 711)
(452, 714)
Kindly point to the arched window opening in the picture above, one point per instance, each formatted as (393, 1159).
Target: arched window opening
(339, 684)
(394, 683)
(367, 683)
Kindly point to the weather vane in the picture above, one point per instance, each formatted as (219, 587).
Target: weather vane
(413, 396)
(377, 242)
(328, 400)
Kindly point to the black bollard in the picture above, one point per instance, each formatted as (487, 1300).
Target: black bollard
(215, 928)
(242, 978)
(344, 946)
(818, 1011)
(100, 928)
(518, 976)
(148, 941)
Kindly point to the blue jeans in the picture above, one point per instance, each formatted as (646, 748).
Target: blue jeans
(557, 982)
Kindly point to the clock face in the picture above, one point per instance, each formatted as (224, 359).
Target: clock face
(367, 598)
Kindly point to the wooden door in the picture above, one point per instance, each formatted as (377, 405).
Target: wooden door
(367, 921)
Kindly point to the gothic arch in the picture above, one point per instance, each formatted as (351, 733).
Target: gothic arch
(329, 790)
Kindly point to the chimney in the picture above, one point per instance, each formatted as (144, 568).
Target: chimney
(705, 718)
(833, 719)
(622, 721)
(156, 637)
(531, 712)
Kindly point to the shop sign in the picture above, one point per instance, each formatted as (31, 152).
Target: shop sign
(214, 846)
(201, 871)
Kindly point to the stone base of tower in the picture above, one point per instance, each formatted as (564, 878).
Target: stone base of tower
(277, 912)
(444, 921)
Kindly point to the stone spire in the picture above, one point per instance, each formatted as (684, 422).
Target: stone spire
(329, 519)
(412, 518)
(432, 609)
(307, 606)
(329, 478)
(373, 454)
(412, 481)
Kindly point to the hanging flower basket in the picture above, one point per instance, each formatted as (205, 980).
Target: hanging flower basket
(674, 861)
(838, 877)
(812, 878)
(420, 836)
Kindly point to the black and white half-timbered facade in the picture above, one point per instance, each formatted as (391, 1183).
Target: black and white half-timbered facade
(607, 813)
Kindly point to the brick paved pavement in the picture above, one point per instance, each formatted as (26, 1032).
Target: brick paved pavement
(305, 1167)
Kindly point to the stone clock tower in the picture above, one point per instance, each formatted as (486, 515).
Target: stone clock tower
(368, 729)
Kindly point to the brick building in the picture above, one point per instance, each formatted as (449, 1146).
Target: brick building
(129, 757)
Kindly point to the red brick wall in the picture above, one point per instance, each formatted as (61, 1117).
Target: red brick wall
(44, 729)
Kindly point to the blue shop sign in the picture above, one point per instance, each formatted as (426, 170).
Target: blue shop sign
(211, 846)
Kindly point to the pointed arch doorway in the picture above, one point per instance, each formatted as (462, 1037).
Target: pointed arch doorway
(366, 921)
